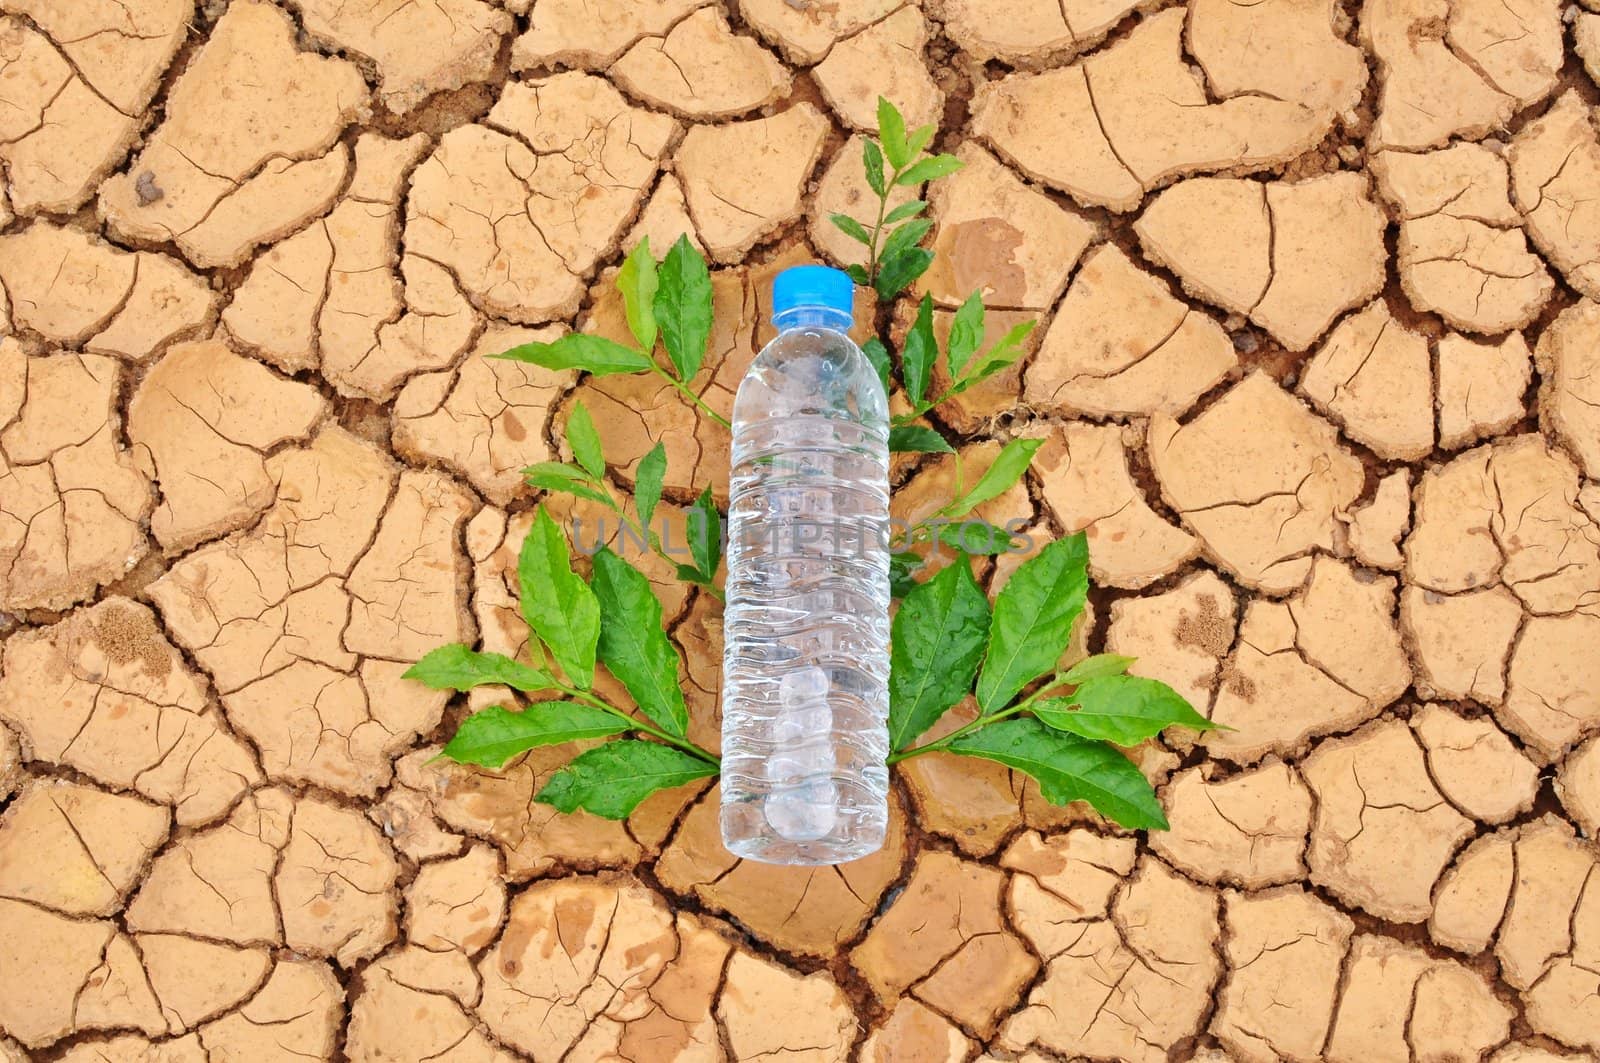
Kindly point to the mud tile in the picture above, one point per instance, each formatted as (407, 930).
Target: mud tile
(202, 420)
(589, 35)
(457, 904)
(1179, 636)
(1128, 987)
(74, 498)
(744, 180)
(1284, 950)
(997, 234)
(944, 941)
(1374, 377)
(1569, 399)
(1120, 344)
(413, 1004)
(1554, 161)
(885, 59)
(105, 693)
(1322, 661)
(75, 849)
(810, 911)
(1397, 1001)
(1376, 527)
(702, 69)
(1578, 786)
(1087, 485)
(554, 226)
(1089, 129)
(1480, 387)
(294, 1016)
(419, 49)
(1444, 70)
(1248, 830)
(1258, 477)
(770, 1011)
(915, 1033)
(614, 938)
(1475, 765)
(240, 169)
(1290, 257)
(73, 289)
(1471, 899)
(1383, 832)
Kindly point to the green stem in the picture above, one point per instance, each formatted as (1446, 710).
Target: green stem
(691, 396)
(654, 542)
(901, 419)
(877, 231)
(982, 721)
(641, 725)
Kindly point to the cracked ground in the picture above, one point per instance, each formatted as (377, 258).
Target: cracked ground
(1318, 372)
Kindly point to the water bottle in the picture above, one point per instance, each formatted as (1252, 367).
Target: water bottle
(805, 682)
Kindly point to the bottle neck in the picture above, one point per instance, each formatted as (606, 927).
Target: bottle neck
(812, 317)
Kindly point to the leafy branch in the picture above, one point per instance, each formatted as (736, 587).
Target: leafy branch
(586, 479)
(614, 620)
(671, 302)
(894, 258)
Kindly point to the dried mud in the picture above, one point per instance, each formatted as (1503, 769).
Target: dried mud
(1318, 372)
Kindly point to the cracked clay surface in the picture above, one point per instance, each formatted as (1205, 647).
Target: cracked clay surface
(1317, 371)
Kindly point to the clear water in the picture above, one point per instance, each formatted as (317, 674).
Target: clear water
(805, 691)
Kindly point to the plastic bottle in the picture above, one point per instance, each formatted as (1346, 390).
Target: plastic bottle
(805, 689)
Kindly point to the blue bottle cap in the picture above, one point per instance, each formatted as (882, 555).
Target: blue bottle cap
(821, 286)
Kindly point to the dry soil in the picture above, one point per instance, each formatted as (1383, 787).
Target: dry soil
(1318, 372)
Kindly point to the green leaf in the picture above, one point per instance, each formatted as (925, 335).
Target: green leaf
(1101, 664)
(683, 308)
(1007, 468)
(903, 568)
(857, 272)
(904, 211)
(558, 471)
(1124, 709)
(690, 574)
(851, 228)
(580, 350)
(1033, 617)
(585, 441)
(966, 332)
(892, 131)
(568, 479)
(705, 534)
(459, 667)
(878, 355)
(935, 643)
(872, 159)
(976, 537)
(647, 483)
(916, 359)
(1005, 351)
(612, 779)
(917, 439)
(908, 235)
(638, 282)
(1069, 768)
(634, 645)
(930, 169)
(494, 735)
(918, 139)
(556, 603)
(895, 274)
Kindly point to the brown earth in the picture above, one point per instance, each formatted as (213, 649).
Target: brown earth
(1318, 371)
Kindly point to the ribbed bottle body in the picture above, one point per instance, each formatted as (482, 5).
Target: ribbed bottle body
(805, 689)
